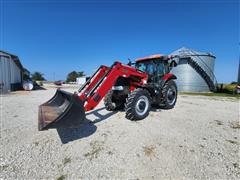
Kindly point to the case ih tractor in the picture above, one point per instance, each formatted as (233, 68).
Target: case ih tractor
(133, 88)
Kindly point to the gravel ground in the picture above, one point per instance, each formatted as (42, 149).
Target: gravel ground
(198, 139)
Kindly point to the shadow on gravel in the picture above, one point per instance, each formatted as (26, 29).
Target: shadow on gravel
(100, 116)
(39, 88)
(88, 128)
(71, 134)
(156, 109)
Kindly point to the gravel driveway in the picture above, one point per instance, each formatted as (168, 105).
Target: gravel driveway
(198, 139)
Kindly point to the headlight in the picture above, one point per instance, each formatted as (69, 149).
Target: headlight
(117, 88)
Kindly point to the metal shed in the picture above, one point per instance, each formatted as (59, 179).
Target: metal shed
(195, 71)
(11, 72)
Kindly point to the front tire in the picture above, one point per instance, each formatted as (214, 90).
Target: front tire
(112, 103)
(169, 95)
(138, 104)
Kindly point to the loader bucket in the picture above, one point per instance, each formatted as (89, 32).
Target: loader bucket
(64, 110)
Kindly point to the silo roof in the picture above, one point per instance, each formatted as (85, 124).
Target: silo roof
(189, 52)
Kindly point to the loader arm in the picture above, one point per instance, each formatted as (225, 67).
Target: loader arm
(67, 110)
(99, 87)
(84, 90)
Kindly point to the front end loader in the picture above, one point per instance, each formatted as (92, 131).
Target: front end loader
(135, 88)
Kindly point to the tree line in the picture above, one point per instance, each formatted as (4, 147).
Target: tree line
(71, 77)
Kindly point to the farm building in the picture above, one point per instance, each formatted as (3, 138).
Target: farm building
(11, 72)
(195, 71)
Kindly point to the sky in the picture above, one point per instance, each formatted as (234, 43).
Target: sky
(57, 37)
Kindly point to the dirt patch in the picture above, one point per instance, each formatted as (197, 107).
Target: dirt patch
(149, 151)
(219, 122)
(235, 125)
(96, 147)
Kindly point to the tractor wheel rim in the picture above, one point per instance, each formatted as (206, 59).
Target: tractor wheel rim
(171, 95)
(142, 105)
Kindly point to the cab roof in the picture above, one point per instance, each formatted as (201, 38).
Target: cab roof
(156, 56)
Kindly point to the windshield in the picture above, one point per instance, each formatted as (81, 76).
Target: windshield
(146, 67)
(154, 68)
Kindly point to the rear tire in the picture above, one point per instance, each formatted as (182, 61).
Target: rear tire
(169, 95)
(138, 104)
(110, 103)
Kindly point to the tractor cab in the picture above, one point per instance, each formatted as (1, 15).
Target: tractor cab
(156, 66)
(160, 82)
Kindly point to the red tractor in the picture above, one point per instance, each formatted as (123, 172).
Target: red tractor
(134, 89)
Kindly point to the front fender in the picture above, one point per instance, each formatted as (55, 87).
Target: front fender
(169, 76)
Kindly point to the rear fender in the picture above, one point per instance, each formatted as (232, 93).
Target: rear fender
(168, 77)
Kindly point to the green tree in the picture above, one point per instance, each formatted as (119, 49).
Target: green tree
(38, 76)
(72, 76)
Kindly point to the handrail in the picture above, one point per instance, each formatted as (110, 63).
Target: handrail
(207, 78)
(210, 70)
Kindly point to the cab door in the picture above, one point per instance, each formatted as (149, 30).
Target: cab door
(161, 71)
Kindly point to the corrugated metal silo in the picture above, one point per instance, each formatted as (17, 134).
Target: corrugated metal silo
(195, 71)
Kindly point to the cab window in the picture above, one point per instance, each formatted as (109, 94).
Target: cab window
(161, 69)
(141, 66)
(150, 69)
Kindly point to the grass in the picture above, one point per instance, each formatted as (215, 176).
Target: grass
(219, 122)
(62, 177)
(223, 90)
(110, 153)
(231, 141)
(235, 125)
(227, 88)
(96, 147)
(211, 94)
(235, 165)
(66, 160)
(36, 143)
(3, 167)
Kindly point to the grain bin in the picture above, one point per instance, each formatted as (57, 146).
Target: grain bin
(195, 71)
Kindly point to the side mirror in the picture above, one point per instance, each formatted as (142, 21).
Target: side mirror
(173, 64)
(129, 62)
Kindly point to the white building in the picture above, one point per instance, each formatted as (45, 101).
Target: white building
(11, 72)
(81, 80)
